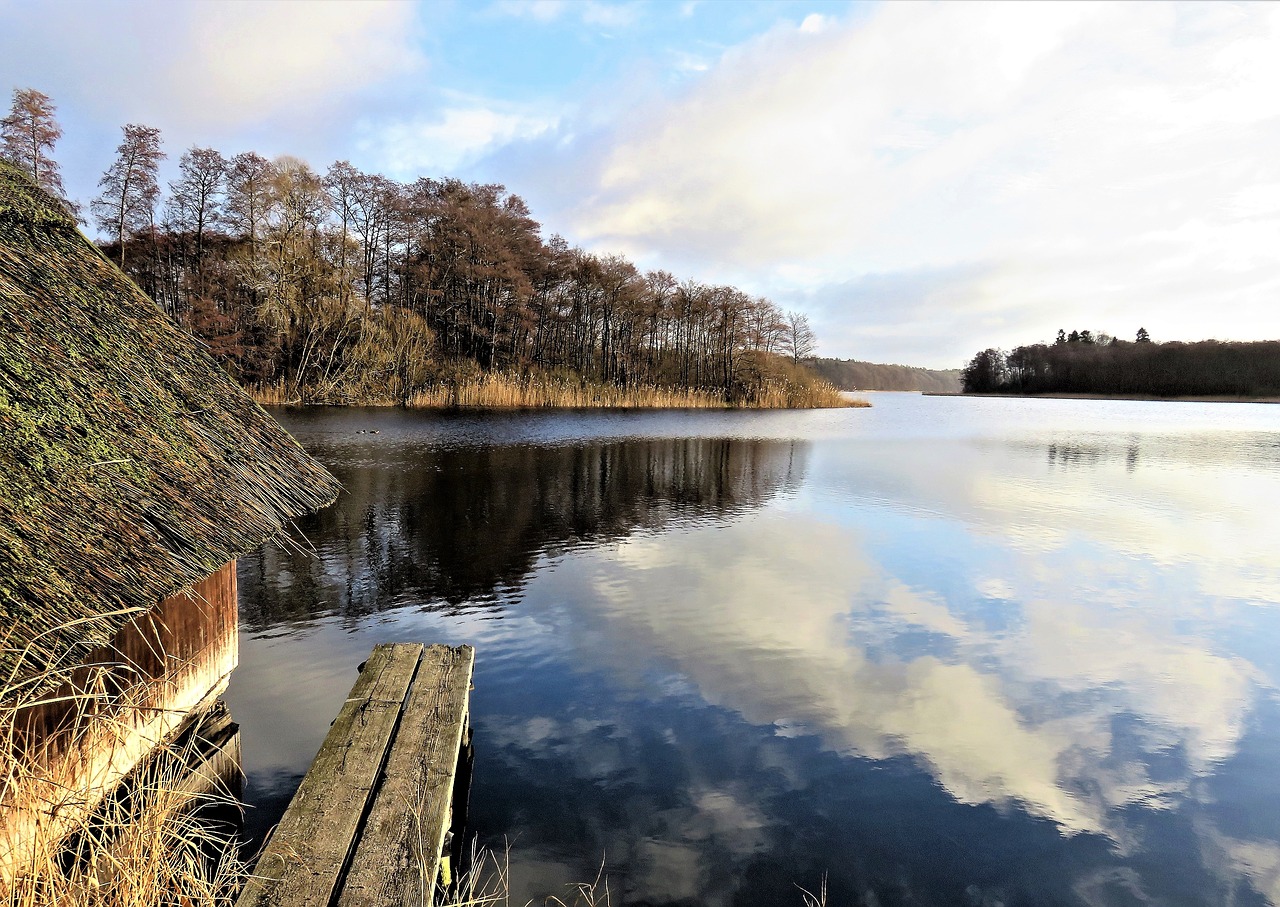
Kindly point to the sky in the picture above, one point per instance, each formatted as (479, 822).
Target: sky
(923, 180)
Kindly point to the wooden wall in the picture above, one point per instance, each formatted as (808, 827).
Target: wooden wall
(66, 752)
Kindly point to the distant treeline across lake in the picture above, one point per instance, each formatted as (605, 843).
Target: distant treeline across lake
(1079, 364)
(852, 375)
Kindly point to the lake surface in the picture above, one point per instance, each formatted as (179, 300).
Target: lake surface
(943, 651)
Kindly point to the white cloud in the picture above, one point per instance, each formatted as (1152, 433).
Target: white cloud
(1023, 718)
(609, 15)
(446, 141)
(589, 12)
(253, 58)
(1101, 166)
(814, 23)
(211, 66)
(538, 10)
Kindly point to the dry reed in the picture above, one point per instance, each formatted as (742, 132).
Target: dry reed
(487, 883)
(501, 390)
(815, 899)
(508, 390)
(587, 894)
(274, 394)
(144, 844)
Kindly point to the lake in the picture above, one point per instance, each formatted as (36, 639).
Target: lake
(942, 651)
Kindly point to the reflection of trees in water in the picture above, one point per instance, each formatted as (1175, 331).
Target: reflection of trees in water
(452, 526)
(1243, 449)
(1080, 455)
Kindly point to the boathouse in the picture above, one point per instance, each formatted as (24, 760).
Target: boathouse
(133, 471)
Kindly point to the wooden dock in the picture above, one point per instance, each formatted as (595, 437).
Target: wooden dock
(370, 819)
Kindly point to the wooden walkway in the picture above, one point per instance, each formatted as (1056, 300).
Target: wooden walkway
(370, 818)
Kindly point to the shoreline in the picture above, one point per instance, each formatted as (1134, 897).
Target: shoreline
(514, 394)
(1191, 398)
(479, 407)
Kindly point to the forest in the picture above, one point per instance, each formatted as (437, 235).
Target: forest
(854, 375)
(1082, 363)
(344, 286)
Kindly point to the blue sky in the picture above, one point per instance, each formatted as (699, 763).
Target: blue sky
(922, 179)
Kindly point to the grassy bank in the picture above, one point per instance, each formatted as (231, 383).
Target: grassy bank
(504, 390)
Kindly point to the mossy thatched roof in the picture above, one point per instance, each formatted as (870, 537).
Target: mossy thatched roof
(131, 465)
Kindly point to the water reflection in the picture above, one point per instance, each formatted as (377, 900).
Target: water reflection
(460, 527)
(1008, 664)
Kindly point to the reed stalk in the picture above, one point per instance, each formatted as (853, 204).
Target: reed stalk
(64, 842)
(509, 390)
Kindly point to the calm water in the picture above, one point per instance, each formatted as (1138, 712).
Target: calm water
(946, 651)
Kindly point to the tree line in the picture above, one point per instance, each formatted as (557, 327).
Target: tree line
(348, 285)
(1082, 363)
(854, 375)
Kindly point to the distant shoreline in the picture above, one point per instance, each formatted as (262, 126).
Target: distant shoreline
(1145, 397)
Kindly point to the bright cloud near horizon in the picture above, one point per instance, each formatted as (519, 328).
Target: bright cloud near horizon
(923, 179)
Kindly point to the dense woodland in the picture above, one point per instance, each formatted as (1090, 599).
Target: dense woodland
(343, 286)
(853, 375)
(1080, 363)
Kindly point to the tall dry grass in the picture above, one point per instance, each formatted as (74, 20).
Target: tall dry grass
(487, 884)
(508, 390)
(502, 390)
(147, 843)
(273, 394)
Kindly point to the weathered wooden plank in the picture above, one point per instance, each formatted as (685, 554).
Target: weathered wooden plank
(304, 860)
(397, 858)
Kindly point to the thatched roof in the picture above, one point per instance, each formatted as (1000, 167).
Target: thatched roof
(131, 465)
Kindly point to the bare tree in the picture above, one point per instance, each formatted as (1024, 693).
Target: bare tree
(27, 137)
(250, 195)
(341, 184)
(130, 190)
(799, 339)
(194, 199)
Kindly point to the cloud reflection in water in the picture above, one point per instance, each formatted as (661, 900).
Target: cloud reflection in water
(943, 661)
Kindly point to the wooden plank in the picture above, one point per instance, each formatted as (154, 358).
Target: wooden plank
(305, 858)
(397, 858)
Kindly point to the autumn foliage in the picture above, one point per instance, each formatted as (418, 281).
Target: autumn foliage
(349, 286)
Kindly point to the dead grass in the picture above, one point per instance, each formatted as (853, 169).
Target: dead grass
(275, 394)
(818, 899)
(146, 844)
(487, 883)
(506, 390)
(587, 894)
(501, 390)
